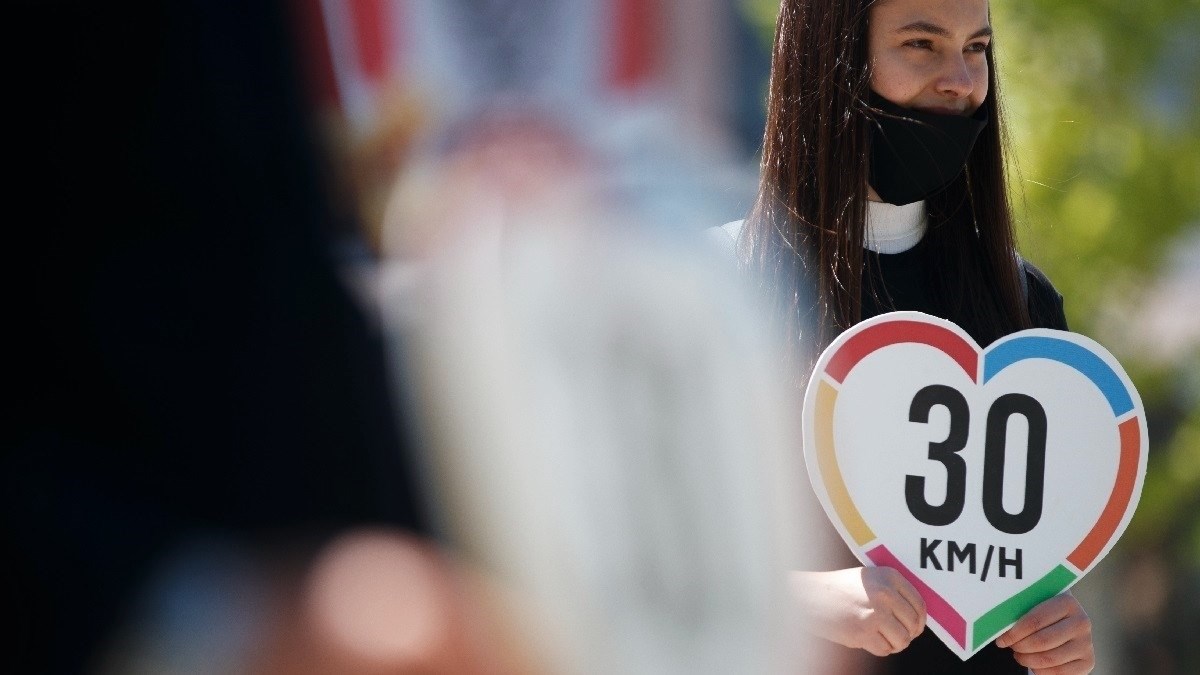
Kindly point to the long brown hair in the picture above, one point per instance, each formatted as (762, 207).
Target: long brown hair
(803, 239)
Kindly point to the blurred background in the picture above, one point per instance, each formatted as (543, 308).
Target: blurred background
(1104, 124)
(258, 235)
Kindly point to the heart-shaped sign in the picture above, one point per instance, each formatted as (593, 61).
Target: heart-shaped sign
(991, 479)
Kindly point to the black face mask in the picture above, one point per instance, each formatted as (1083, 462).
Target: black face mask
(915, 154)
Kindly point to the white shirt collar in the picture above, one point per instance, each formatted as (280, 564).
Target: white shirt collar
(894, 229)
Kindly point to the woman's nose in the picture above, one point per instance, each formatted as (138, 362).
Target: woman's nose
(956, 78)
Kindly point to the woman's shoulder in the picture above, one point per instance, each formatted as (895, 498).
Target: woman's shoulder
(1043, 299)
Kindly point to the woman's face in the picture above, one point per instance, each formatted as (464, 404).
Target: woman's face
(930, 54)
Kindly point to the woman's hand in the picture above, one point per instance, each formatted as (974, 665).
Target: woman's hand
(1054, 638)
(871, 608)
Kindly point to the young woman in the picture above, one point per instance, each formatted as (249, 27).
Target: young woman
(883, 189)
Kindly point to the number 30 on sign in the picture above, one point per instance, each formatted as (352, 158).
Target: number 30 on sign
(992, 479)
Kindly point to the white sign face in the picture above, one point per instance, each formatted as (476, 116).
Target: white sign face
(991, 479)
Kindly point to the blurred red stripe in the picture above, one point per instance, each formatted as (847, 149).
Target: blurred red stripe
(372, 32)
(635, 28)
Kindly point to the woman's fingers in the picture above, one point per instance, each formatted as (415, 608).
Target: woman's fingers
(892, 592)
(890, 637)
(897, 634)
(914, 611)
(910, 618)
(872, 608)
(1075, 656)
(1038, 618)
(1055, 638)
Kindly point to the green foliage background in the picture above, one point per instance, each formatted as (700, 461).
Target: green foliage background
(1103, 109)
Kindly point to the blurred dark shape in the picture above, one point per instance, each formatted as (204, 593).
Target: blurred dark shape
(186, 361)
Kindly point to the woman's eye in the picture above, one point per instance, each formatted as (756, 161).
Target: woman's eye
(977, 47)
(920, 44)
